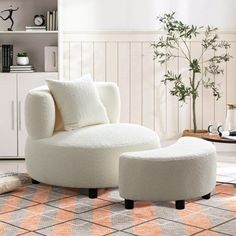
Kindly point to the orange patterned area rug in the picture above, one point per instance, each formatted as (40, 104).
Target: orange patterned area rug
(47, 210)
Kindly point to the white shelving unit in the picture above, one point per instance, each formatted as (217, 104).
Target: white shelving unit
(15, 86)
(28, 32)
(32, 42)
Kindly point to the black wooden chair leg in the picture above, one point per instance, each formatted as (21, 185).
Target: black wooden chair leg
(207, 196)
(180, 204)
(35, 181)
(93, 193)
(129, 204)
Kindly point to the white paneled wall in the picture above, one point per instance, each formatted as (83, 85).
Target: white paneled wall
(126, 58)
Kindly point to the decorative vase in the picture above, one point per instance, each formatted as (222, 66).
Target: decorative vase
(22, 61)
(230, 121)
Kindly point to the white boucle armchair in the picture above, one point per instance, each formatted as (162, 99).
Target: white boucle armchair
(84, 158)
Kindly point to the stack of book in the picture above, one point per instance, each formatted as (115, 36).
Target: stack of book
(7, 57)
(22, 69)
(52, 20)
(35, 28)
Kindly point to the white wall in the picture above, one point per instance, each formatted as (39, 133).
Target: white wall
(141, 14)
(219, 13)
(126, 58)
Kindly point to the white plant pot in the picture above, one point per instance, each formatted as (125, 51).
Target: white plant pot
(22, 61)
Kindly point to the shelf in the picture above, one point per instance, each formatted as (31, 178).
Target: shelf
(36, 72)
(28, 32)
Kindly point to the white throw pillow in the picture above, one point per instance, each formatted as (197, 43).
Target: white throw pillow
(9, 183)
(78, 102)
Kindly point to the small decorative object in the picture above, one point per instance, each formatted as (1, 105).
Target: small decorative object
(230, 121)
(51, 59)
(9, 17)
(214, 127)
(178, 35)
(22, 59)
(39, 20)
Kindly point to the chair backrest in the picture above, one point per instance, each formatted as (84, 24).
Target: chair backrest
(42, 117)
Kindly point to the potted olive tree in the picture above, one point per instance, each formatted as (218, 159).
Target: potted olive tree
(176, 38)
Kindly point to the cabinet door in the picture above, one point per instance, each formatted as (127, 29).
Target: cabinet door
(27, 82)
(8, 115)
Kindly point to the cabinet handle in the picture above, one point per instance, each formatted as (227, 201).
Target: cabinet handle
(19, 115)
(12, 115)
(54, 59)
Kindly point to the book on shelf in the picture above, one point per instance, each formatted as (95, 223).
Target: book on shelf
(56, 20)
(52, 21)
(7, 57)
(47, 20)
(35, 28)
(22, 69)
(26, 71)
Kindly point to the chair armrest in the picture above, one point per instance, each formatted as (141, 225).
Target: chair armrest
(40, 113)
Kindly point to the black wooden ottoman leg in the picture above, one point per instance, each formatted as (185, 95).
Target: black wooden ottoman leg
(207, 196)
(35, 181)
(93, 193)
(180, 204)
(129, 204)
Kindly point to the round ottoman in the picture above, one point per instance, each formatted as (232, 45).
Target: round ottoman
(184, 170)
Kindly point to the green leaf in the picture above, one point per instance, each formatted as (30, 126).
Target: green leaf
(215, 88)
(178, 34)
(194, 66)
(179, 89)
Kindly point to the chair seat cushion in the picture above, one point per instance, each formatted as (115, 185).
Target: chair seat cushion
(95, 147)
(103, 136)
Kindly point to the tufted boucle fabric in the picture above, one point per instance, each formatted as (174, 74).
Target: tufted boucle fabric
(40, 113)
(87, 157)
(78, 102)
(184, 170)
(42, 116)
(84, 158)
